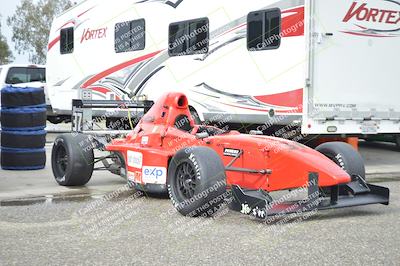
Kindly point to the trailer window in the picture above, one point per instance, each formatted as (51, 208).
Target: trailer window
(189, 37)
(130, 36)
(17, 75)
(263, 30)
(67, 40)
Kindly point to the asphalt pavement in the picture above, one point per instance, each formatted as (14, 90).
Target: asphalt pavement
(147, 231)
(105, 223)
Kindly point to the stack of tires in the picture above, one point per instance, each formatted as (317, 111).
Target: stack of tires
(23, 120)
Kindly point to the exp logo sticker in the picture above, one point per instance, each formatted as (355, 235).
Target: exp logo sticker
(154, 175)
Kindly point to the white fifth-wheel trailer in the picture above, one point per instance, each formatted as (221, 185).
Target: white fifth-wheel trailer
(330, 66)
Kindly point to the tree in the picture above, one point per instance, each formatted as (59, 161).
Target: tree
(5, 54)
(31, 25)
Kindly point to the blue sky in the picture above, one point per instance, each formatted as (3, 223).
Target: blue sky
(7, 8)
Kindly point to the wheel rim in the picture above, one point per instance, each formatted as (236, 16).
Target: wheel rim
(61, 160)
(186, 180)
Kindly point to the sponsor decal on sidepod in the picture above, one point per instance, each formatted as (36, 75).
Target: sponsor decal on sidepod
(154, 175)
(135, 159)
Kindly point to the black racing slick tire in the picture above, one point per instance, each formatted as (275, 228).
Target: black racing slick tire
(23, 139)
(23, 119)
(72, 159)
(23, 159)
(14, 97)
(345, 156)
(197, 181)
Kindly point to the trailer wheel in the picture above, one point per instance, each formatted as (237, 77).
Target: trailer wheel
(72, 159)
(58, 119)
(345, 156)
(196, 181)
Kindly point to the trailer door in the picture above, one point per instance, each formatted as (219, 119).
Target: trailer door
(353, 82)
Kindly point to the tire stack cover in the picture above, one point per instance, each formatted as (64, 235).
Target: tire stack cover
(14, 97)
(19, 159)
(23, 139)
(23, 120)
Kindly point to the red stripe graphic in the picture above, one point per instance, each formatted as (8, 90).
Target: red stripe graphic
(69, 22)
(296, 110)
(53, 42)
(116, 68)
(364, 28)
(293, 25)
(235, 28)
(83, 13)
(291, 99)
(368, 35)
(101, 90)
(57, 39)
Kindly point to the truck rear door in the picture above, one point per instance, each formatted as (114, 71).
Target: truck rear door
(353, 79)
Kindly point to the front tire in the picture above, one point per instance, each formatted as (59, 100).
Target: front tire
(72, 160)
(196, 181)
(345, 156)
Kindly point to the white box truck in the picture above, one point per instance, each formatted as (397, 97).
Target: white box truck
(330, 66)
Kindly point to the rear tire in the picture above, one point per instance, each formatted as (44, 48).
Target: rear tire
(196, 181)
(72, 159)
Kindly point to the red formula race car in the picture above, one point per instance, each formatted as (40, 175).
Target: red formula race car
(202, 167)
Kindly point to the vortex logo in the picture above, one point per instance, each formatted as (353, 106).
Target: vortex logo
(380, 20)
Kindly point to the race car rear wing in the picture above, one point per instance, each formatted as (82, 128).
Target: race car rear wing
(85, 120)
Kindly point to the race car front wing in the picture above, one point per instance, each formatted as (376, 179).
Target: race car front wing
(260, 204)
